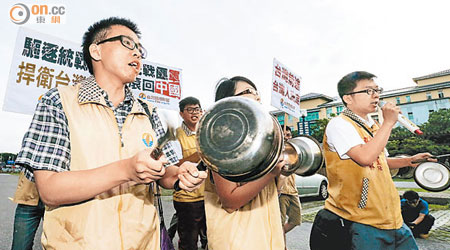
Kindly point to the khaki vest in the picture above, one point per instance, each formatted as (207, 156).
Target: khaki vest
(121, 218)
(256, 225)
(289, 186)
(366, 195)
(189, 148)
(26, 192)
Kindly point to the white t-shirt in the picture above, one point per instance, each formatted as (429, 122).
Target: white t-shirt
(342, 136)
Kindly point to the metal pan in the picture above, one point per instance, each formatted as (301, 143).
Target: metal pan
(432, 176)
(239, 140)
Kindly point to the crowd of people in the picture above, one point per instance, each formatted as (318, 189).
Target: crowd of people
(89, 175)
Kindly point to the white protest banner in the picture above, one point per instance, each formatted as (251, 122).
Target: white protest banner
(41, 62)
(285, 89)
(158, 84)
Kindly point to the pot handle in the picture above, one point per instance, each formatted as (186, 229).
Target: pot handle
(201, 166)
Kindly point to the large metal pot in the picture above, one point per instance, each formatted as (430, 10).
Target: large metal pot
(239, 140)
(303, 155)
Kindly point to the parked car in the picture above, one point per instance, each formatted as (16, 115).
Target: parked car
(314, 185)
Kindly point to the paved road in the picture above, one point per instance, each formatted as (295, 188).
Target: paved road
(297, 239)
(406, 184)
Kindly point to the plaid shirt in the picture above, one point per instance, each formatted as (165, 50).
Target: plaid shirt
(187, 130)
(46, 144)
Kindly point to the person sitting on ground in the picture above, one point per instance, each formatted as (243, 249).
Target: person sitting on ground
(415, 214)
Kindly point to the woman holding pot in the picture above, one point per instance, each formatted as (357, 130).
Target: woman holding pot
(243, 215)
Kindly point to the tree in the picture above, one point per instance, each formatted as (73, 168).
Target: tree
(7, 156)
(435, 138)
(318, 129)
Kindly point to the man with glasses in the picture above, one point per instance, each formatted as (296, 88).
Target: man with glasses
(189, 206)
(88, 150)
(363, 207)
(416, 215)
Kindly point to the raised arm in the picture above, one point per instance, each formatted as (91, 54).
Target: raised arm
(366, 154)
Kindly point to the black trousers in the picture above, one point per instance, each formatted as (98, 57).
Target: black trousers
(191, 223)
(329, 231)
(424, 226)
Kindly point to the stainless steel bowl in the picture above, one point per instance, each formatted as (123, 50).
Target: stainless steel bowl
(303, 155)
(239, 140)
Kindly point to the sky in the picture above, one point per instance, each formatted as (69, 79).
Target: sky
(319, 40)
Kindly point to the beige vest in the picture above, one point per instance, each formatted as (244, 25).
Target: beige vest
(366, 195)
(121, 218)
(26, 192)
(256, 225)
(189, 148)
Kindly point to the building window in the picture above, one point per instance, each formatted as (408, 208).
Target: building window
(408, 98)
(428, 96)
(312, 116)
(339, 109)
(329, 112)
(397, 100)
(440, 94)
(410, 116)
(430, 111)
(281, 119)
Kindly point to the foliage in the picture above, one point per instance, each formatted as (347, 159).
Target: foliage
(437, 127)
(7, 156)
(435, 140)
(318, 129)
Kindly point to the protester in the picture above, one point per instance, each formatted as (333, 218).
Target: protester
(243, 215)
(363, 207)
(415, 214)
(88, 149)
(190, 206)
(29, 212)
(288, 197)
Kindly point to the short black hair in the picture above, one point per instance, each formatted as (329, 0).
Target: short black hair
(287, 128)
(411, 195)
(98, 31)
(226, 87)
(190, 100)
(348, 83)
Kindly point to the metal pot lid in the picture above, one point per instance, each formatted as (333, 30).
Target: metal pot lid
(432, 176)
(238, 139)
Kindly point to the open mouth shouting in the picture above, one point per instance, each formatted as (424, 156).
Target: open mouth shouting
(136, 65)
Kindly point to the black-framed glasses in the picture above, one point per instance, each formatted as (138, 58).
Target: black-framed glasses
(193, 110)
(128, 43)
(367, 91)
(248, 92)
